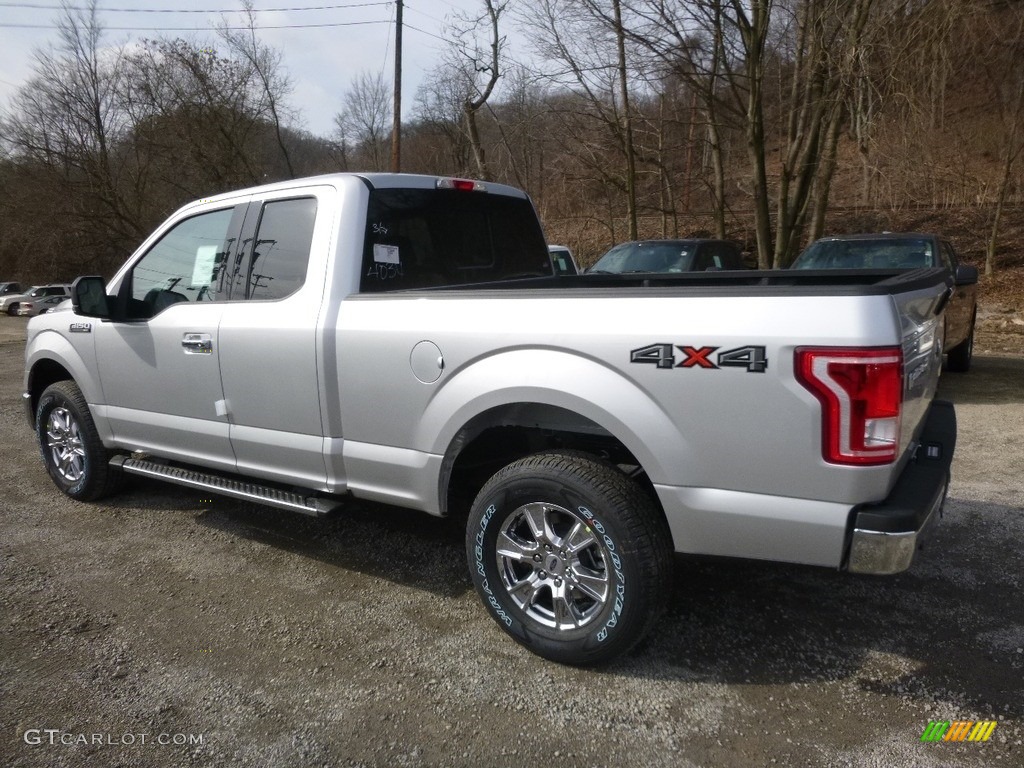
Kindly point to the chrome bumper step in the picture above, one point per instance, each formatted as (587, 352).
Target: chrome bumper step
(262, 494)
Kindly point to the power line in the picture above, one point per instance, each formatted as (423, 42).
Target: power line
(42, 6)
(387, 45)
(422, 13)
(451, 4)
(431, 34)
(194, 29)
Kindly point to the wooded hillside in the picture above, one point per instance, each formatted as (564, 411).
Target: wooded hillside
(768, 121)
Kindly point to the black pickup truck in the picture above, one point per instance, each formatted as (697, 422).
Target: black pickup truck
(904, 251)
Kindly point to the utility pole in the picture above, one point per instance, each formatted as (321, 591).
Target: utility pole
(396, 126)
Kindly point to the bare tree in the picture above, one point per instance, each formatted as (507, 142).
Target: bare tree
(751, 21)
(749, 63)
(825, 41)
(997, 43)
(687, 42)
(364, 123)
(582, 45)
(522, 123)
(265, 63)
(105, 141)
(439, 114)
(480, 66)
(202, 117)
(67, 122)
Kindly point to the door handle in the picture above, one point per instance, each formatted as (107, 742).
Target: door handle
(197, 344)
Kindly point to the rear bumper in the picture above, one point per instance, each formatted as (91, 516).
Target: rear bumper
(886, 535)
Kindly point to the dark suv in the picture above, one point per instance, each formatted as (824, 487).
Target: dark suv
(908, 250)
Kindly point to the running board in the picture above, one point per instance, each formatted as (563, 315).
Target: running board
(262, 494)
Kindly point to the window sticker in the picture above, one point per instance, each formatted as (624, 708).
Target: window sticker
(202, 271)
(386, 254)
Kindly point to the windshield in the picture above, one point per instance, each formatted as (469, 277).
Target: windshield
(667, 256)
(562, 261)
(881, 253)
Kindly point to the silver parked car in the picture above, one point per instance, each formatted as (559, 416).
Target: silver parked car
(10, 303)
(32, 307)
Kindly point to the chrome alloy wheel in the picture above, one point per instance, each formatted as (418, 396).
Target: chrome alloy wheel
(553, 566)
(64, 442)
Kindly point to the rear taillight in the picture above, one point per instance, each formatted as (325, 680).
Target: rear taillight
(861, 394)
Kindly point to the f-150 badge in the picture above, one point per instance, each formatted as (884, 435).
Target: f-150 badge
(664, 356)
(80, 328)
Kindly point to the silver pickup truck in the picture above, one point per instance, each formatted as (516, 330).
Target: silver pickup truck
(402, 339)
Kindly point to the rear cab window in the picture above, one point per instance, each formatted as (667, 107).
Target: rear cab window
(420, 238)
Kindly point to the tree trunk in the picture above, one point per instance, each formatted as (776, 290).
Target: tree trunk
(823, 181)
(620, 39)
(479, 154)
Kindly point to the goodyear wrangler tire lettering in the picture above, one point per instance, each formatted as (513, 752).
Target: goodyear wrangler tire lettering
(571, 557)
(485, 587)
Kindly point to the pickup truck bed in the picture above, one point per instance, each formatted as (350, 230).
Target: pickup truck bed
(402, 339)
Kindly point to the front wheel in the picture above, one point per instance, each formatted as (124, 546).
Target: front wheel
(570, 557)
(72, 449)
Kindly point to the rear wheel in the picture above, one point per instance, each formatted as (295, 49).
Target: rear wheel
(570, 557)
(72, 450)
(960, 356)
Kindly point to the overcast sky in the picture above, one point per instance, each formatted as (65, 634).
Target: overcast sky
(321, 60)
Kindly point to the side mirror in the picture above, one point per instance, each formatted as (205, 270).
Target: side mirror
(966, 274)
(89, 297)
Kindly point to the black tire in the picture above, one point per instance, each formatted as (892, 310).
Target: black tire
(12, 310)
(71, 447)
(960, 356)
(587, 563)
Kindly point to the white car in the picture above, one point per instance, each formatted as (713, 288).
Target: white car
(9, 304)
(32, 307)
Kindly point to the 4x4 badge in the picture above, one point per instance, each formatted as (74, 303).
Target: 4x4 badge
(753, 358)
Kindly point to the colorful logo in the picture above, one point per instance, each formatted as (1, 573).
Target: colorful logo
(958, 730)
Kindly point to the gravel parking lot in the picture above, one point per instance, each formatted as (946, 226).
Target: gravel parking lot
(164, 627)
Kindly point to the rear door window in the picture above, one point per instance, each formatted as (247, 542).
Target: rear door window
(273, 263)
